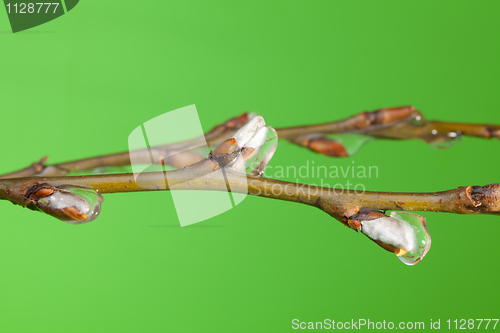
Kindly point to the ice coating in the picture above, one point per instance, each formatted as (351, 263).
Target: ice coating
(393, 231)
(423, 238)
(266, 152)
(258, 139)
(60, 200)
(252, 147)
(247, 132)
(69, 203)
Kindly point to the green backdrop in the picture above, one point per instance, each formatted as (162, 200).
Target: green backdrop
(77, 86)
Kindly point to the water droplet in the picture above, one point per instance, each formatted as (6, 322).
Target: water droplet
(443, 140)
(417, 118)
(436, 138)
(351, 142)
(84, 201)
(421, 234)
(402, 233)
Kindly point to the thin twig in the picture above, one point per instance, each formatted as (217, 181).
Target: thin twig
(390, 123)
(32, 170)
(341, 204)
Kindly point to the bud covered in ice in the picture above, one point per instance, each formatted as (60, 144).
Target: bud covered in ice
(402, 233)
(68, 203)
(250, 149)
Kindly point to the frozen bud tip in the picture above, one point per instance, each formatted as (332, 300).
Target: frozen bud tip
(250, 150)
(402, 233)
(392, 231)
(247, 132)
(71, 204)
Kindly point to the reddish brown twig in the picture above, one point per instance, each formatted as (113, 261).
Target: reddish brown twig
(389, 123)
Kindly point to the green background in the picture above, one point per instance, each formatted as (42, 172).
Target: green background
(77, 86)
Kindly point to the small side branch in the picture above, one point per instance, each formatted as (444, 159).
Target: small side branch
(400, 123)
(33, 169)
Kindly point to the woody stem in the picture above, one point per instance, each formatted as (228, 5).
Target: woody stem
(205, 175)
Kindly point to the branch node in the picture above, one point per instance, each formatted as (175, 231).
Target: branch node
(487, 196)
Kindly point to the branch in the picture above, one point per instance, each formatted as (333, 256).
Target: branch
(405, 235)
(78, 199)
(176, 154)
(33, 169)
(401, 123)
(340, 204)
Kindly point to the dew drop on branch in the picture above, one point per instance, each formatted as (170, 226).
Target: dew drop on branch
(443, 140)
(421, 234)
